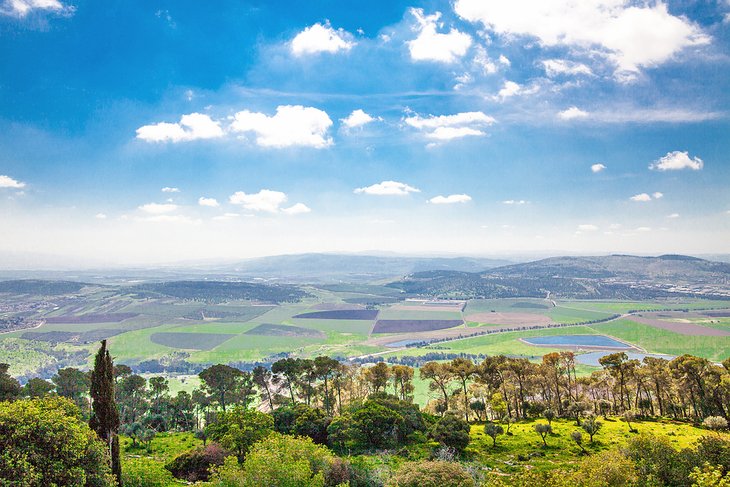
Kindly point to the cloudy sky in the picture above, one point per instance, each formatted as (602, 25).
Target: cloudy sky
(138, 131)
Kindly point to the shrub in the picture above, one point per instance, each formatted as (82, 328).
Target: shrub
(196, 464)
(543, 430)
(431, 474)
(715, 423)
(453, 431)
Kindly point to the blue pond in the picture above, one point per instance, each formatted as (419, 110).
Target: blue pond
(597, 341)
(592, 357)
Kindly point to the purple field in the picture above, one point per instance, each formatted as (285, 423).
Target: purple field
(70, 336)
(406, 326)
(91, 318)
(341, 314)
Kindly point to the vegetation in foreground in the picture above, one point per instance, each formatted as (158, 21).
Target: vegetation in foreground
(504, 421)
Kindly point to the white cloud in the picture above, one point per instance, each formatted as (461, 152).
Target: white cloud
(226, 216)
(21, 8)
(673, 215)
(296, 209)
(265, 200)
(557, 67)
(615, 29)
(643, 229)
(431, 45)
(628, 114)
(210, 202)
(674, 161)
(321, 38)
(448, 127)
(100, 216)
(482, 61)
(504, 60)
(641, 197)
(598, 167)
(357, 118)
(587, 227)
(388, 188)
(450, 199)
(572, 113)
(168, 189)
(8, 182)
(614, 226)
(514, 202)
(168, 219)
(510, 88)
(293, 125)
(158, 208)
(657, 195)
(191, 127)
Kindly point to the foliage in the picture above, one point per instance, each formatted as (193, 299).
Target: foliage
(196, 464)
(493, 430)
(543, 430)
(145, 472)
(9, 386)
(44, 442)
(453, 431)
(239, 429)
(709, 476)
(431, 474)
(104, 415)
(715, 423)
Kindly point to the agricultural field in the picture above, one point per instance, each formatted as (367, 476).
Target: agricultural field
(338, 320)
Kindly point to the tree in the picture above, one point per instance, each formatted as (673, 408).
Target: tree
(73, 384)
(431, 474)
(549, 414)
(159, 386)
(105, 416)
(403, 381)
(290, 369)
(9, 386)
(37, 387)
(130, 392)
(715, 423)
(577, 436)
(377, 377)
(709, 476)
(221, 381)
(452, 431)
(463, 370)
(325, 368)
(44, 442)
(493, 430)
(376, 426)
(629, 416)
(238, 429)
(263, 378)
(591, 426)
(543, 430)
(440, 376)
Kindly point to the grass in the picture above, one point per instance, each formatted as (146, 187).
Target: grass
(658, 340)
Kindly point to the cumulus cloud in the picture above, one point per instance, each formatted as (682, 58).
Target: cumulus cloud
(510, 88)
(21, 8)
(598, 167)
(158, 208)
(8, 182)
(587, 227)
(572, 113)
(675, 161)
(558, 67)
(168, 189)
(641, 197)
(210, 202)
(296, 209)
(503, 60)
(321, 38)
(615, 29)
(357, 118)
(448, 127)
(450, 199)
(431, 45)
(265, 200)
(192, 126)
(514, 202)
(388, 188)
(293, 125)
(657, 195)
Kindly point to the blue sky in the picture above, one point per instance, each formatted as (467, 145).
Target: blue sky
(465, 127)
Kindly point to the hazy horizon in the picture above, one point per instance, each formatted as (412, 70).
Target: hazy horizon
(141, 135)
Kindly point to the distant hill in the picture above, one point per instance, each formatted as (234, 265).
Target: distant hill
(342, 267)
(606, 277)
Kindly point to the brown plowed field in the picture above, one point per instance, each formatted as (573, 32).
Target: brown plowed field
(678, 327)
(528, 319)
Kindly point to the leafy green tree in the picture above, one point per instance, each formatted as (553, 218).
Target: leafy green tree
(452, 431)
(221, 381)
(591, 426)
(549, 414)
(493, 430)
(158, 387)
(133, 430)
(290, 369)
(105, 416)
(325, 368)
(431, 474)
(577, 437)
(263, 378)
(73, 384)
(37, 387)
(237, 430)
(629, 416)
(376, 426)
(9, 386)
(43, 442)
(281, 461)
(440, 376)
(302, 420)
(377, 377)
(543, 430)
(463, 370)
(131, 391)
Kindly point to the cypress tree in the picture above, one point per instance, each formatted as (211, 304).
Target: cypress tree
(104, 415)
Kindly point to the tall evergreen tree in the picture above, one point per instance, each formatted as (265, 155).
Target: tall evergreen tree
(104, 415)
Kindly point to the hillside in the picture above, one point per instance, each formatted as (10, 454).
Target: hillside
(606, 277)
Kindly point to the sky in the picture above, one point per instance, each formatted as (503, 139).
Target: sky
(139, 132)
